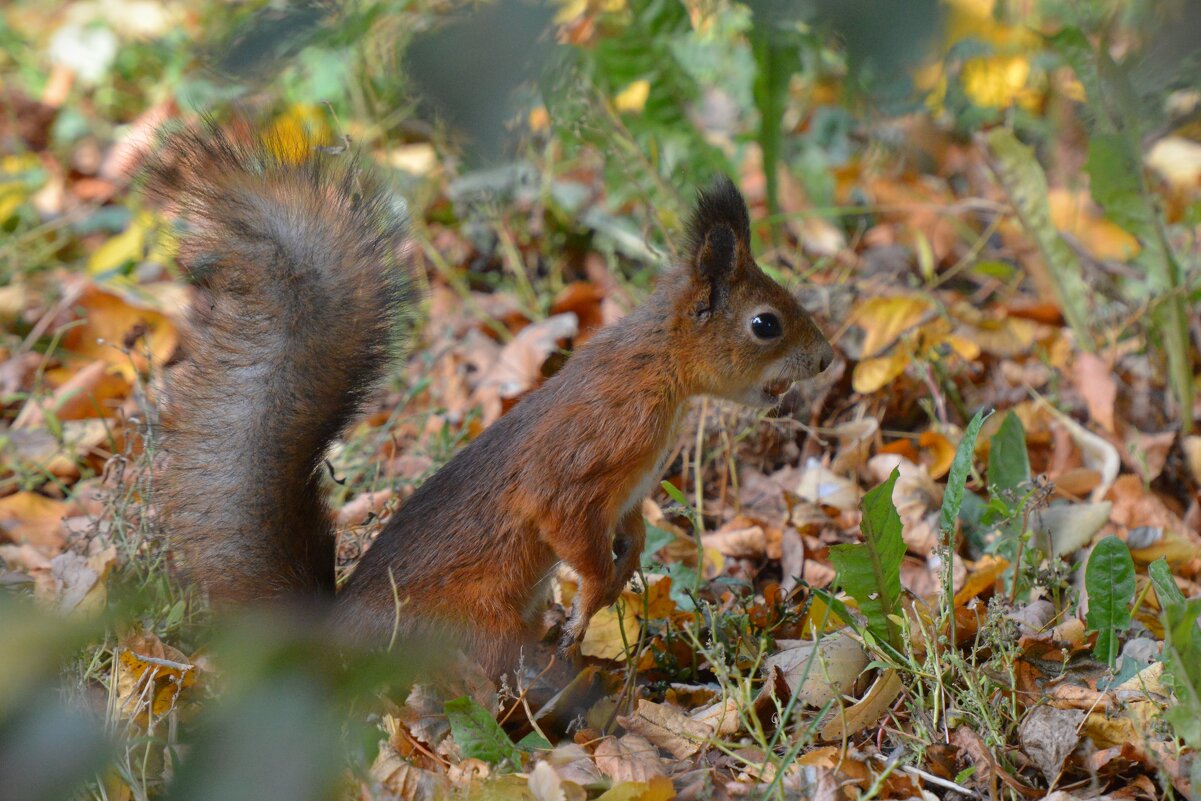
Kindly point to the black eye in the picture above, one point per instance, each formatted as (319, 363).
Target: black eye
(766, 326)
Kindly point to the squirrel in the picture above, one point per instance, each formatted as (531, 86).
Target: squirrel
(298, 260)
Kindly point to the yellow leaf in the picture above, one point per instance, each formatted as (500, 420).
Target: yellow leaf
(603, 639)
(1075, 214)
(32, 518)
(633, 98)
(131, 245)
(998, 81)
(872, 374)
(539, 119)
(883, 320)
(150, 677)
(11, 199)
(296, 130)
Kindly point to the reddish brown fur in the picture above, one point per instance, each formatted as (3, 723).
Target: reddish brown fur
(560, 477)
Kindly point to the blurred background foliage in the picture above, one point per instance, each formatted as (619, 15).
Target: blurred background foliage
(504, 100)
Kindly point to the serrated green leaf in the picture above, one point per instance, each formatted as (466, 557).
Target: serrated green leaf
(961, 465)
(478, 733)
(1109, 579)
(1026, 185)
(870, 571)
(1008, 462)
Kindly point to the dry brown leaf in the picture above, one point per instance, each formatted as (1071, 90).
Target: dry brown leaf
(87, 392)
(854, 444)
(631, 758)
(27, 517)
(819, 672)
(366, 504)
(574, 764)
(1048, 736)
(721, 716)
(668, 728)
(405, 780)
(518, 367)
(79, 581)
(150, 678)
(868, 710)
(741, 543)
(120, 331)
(1094, 381)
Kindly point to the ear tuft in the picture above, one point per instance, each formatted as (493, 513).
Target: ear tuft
(719, 206)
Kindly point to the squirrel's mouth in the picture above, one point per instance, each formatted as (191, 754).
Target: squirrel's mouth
(777, 388)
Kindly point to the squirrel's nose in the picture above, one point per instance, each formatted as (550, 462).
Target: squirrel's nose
(826, 358)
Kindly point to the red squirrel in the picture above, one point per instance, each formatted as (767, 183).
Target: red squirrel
(298, 262)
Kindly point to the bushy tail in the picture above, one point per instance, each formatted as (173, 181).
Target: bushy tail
(297, 257)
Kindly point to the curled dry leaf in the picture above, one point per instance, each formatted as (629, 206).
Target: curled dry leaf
(631, 758)
(668, 728)
(819, 672)
(843, 723)
(1097, 454)
(518, 368)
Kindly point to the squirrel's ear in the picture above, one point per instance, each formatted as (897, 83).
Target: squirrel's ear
(719, 229)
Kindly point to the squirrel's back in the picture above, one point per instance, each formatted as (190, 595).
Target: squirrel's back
(296, 255)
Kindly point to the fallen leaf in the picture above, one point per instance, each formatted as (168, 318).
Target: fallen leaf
(1065, 528)
(120, 332)
(1094, 381)
(604, 638)
(27, 517)
(843, 723)
(630, 758)
(1048, 736)
(667, 728)
(883, 320)
(150, 678)
(819, 672)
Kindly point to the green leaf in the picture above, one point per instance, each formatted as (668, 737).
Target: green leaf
(534, 742)
(961, 465)
(1026, 184)
(1008, 462)
(1109, 579)
(870, 571)
(478, 733)
(1182, 659)
(1165, 586)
